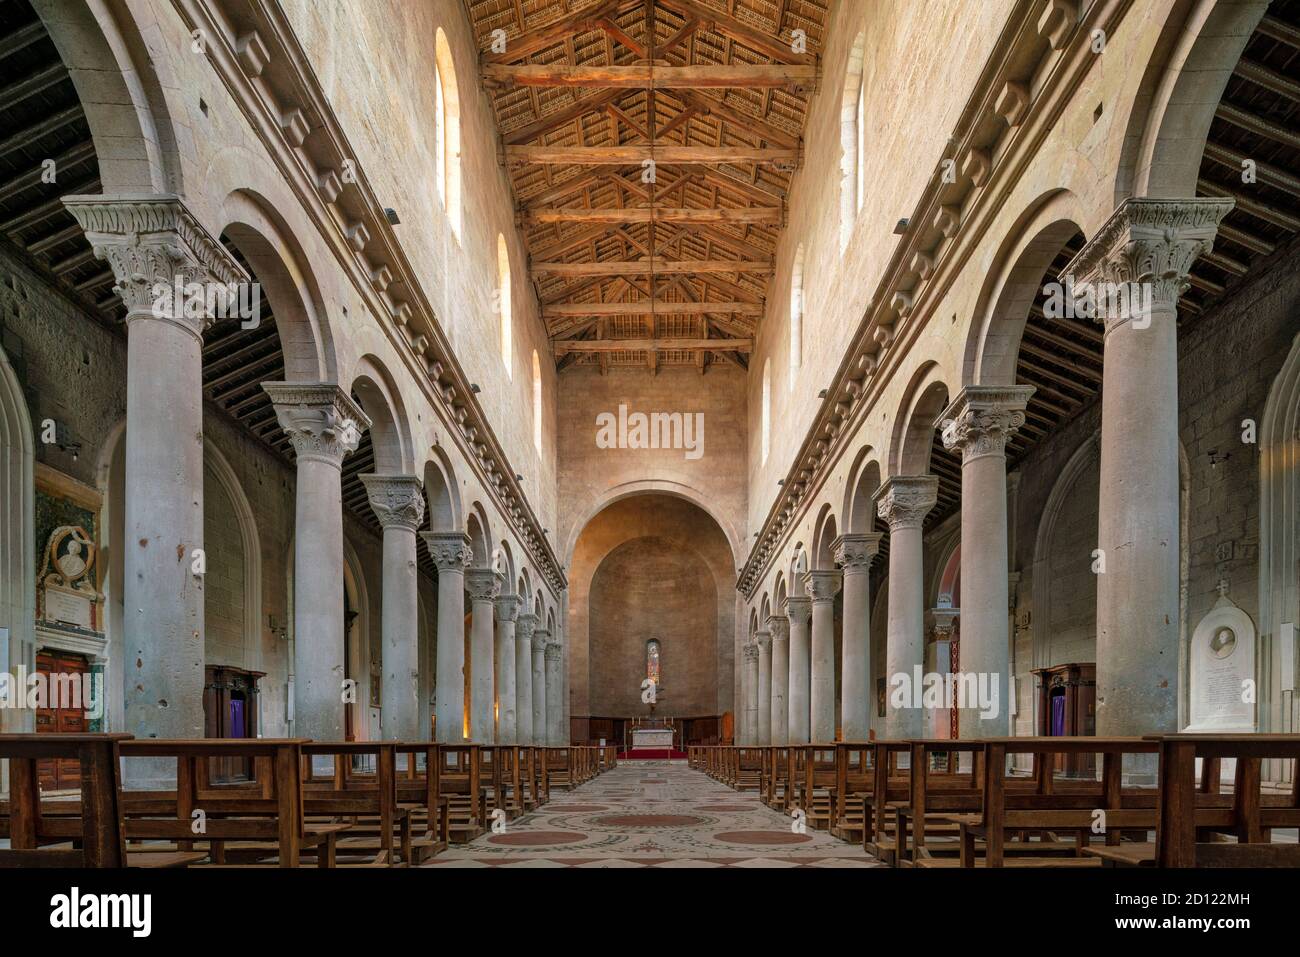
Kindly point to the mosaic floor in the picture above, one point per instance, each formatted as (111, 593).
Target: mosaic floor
(654, 814)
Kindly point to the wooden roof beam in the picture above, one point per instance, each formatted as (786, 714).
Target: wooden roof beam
(527, 43)
(647, 307)
(639, 153)
(657, 214)
(644, 267)
(796, 79)
(733, 28)
(652, 345)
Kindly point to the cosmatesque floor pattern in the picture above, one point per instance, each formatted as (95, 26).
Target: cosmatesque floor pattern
(654, 814)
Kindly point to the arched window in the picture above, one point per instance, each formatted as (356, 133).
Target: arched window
(505, 305)
(447, 131)
(537, 403)
(767, 409)
(652, 663)
(796, 316)
(852, 138)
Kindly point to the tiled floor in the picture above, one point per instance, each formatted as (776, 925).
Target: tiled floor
(654, 814)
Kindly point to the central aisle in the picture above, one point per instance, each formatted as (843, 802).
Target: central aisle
(654, 814)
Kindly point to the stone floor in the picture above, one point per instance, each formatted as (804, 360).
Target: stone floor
(654, 814)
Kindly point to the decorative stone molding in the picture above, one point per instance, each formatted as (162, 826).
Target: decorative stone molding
(322, 421)
(483, 584)
(525, 627)
(982, 418)
(945, 621)
(822, 585)
(397, 500)
(450, 551)
(541, 638)
(508, 607)
(152, 243)
(798, 610)
(904, 501)
(763, 639)
(1152, 242)
(856, 551)
(779, 627)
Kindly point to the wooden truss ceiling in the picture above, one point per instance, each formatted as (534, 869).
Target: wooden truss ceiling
(669, 272)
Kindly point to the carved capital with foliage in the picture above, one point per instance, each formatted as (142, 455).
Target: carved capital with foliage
(904, 501)
(982, 418)
(397, 500)
(321, 420)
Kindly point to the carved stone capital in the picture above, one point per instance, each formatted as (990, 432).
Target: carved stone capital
(779, 626)
(541, 638)
(764, 640)
(396, 500)
(450, 551)
(525, 627)
(153, 244)
(751, 654)
(904, 501)
(945, 621)
(554, 651)
(822, 585)
(798, 610)
(982, 418)
(508, 607)
(856, 551)
(483, 584)
(1151, 243)
(321, 420)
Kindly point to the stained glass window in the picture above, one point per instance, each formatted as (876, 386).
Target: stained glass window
(652, 660)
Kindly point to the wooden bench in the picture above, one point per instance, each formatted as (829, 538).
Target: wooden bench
(1049, 806)
(82, 832)
(462, 783)
(419, 793)
(357, 781)
(817, 785)
(747, 769)
(853, 779)
(254, 820)
(1195, 815)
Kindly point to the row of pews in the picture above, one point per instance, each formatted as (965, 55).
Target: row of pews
(1074, 802)
(271, 802)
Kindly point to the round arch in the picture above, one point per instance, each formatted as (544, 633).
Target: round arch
(480, 535)
(926, 397)
(859, 509)
(823, 557)
(219, 466)
(441, 493)
(390, 432)
(17, 536)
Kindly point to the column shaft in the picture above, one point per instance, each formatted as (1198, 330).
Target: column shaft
(541, 638)
(764, 697)
(854, 554)
(483, 586)
(780, 628)
(554, 703)
(799, 611)
(822, 586)
(524, 679)
(507, 696)
(451, 554)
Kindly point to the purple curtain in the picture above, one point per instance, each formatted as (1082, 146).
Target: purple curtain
(1058, 715)
(236, 717)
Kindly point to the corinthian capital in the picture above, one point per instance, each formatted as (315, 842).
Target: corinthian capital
(154, 244)
(396, 500)
(1148, 245)
(483, 584)
(450, 551)
(982, 418)
(856, 551)
(508, 607)
(751, 654)
(821, 585)
(779, 626)
(904, 501)
(541, 638)
(764, 640)
(798, 610)
(554, 651)
(321, 420)
(525, 626)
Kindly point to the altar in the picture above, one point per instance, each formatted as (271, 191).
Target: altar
(652, 739)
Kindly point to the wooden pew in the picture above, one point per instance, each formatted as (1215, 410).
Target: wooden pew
(356, 781)
(853, 780)
(419, 793)
(85, 832)
(1051, 806)
(817, 785)
(889, 785)
(462, 782)
(748, 766)
(1194, 812)
(254, 819)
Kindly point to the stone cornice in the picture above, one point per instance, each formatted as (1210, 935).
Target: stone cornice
(254, 52)
(981, 419)
(396, 500)
(950, 219)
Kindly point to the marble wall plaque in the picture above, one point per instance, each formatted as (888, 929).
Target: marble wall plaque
(1222, 666)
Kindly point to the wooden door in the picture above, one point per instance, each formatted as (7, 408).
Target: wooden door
(60, 773)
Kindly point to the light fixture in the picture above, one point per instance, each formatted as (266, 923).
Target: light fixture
(473, 387)
(823, 393)
(901, 226)
(391, 215)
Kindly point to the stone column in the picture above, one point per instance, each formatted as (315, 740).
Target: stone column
(903, 502)
(1148, 247)
(507, 671)
(324, 425)
(779, 627)
(524, 678)
(541, 638)
(763, 698)
(554, 656)
(451, 554)
(799, 611)
(749, 684)
(154, 245)
(979, 422)
(854, 554)
(398, 503)
(483, 585)
(821, 587)
(938, 660)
